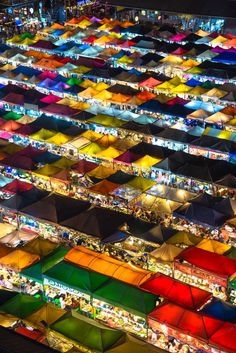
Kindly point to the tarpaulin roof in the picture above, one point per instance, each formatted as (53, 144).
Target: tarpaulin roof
(177, 292)
(208, 261)
(107, 265)
(39, 246)
(166, 252)
(220, 310)
(185, 238)
(104, 187)
(225, 338)
(56, 208)
(17, 260)
(48, 313)
(122, 295)
(17, 237)
(97, 222)
(185, 321)
(213, 246)
(75, 277)
(88, 333)
(21, 305)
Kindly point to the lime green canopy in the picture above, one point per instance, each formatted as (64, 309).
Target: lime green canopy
(76, 277)
(21, 305)
(36, 271)
(11, 116)
(127, 297)
(74, 81)
(88, 333)
(26, 35)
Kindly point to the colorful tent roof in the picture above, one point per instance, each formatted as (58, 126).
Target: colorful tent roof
(208, 261)
(107, 265)
(177, 292)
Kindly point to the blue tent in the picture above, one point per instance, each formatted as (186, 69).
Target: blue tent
(220, 310)
(28, 71)
(226, 58)
(210, 107)
(193, 83)
(46, 158)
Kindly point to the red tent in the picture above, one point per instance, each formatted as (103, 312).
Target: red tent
(14, 98)
(209, 261)
(51, 98)
(60, 109)
(83, 167)
(17, 186)
(225, 338)
(47, 74)
(191, 323)
(177, 292)
(150, 82)
(127, 157)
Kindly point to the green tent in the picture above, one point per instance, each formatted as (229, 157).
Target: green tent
(6, 295)
(129, 298)
(88, 333)
(36, 271)
(232, 253)
(75, 277)
(26, 35)
(11, 116)
(74, 81)
(21, 305)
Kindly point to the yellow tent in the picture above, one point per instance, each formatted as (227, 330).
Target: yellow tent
(141, 183)
(91, 135)
(63, 163)
(189, 63)
(81, 70)
(225, 135)
(146, 161)
(109, 153)
(101, 86)
(214, 246)
(197, 91)
(181, 88)
(202, 33)
(17, 260)
(102, 40)
(184, 238)
(7, 320)
(92, 149)
(172, 59)
(7, 67)
(88, 93)
(84, 24)
(42, 135)
(103, 95)
(216, 93)
(101, 172)
(59, 139)
(5, 229)
(14, 39)
(106, 120)
(219, 118)
(107, 140)
(87, 83)
(166, 252)
(48, 313)
(46, 171)
(125, 59)
(218, 40)
(40, 246)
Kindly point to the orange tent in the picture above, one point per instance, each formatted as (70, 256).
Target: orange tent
(119, 98)
(145, 95)
(104, 187)
(49, 64)
(107, 265)
(57, 26)
(17, 260)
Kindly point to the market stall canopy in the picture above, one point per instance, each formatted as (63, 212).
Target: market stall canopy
(17, 237)
(48, 314)
(88, 333)
(220, 310)
(97, 222)
(21, 305)
(56, 208)
(213, 246)
(177, 292)
(125, 296)
(40, 246)
(166, 252)
(218, 338)
(17, 260)
(69, 275)
(184, 238)
(208, 261)
(188, 322)
(107, 265)
(133, 344)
